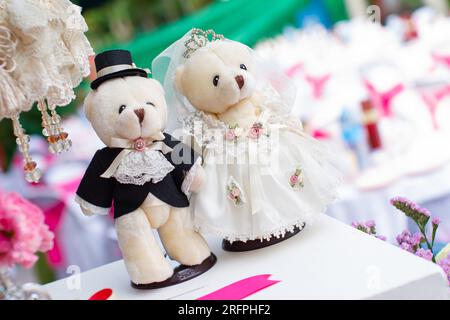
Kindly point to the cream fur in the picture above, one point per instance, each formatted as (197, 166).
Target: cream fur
(194, 79)
(142, 255)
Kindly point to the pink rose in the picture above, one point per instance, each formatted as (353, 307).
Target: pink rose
(294, 179)
(230, 135)
(235, 193)
(255, 132)
(22, 231)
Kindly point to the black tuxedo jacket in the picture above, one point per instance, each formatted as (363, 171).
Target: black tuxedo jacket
(101, 192)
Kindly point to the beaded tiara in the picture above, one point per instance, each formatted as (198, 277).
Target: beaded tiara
(198, 39)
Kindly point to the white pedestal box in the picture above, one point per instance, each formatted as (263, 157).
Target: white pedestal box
(328, 260)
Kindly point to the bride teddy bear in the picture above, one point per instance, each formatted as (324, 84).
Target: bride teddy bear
(266, 179)
(143, 173)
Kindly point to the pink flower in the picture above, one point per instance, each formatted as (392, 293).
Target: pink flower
(235, 193)
(294, 179)
(230, 135)
(255, 132)
(22, 231)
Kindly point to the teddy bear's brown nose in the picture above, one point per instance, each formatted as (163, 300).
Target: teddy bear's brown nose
(140, 114)
(240, 81)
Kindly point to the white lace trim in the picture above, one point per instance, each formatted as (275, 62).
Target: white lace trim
(277, 232)
(139, 168)
(190, 176)
(89, 209)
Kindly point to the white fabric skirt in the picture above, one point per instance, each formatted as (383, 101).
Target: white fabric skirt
(247, 200)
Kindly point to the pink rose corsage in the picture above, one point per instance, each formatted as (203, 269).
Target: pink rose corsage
(231, 134)
(256, 130)
(296, 179)
(235, 193)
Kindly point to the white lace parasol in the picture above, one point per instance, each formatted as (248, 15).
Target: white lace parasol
(44, 54)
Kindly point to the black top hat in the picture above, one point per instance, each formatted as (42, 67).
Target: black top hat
(113, 64)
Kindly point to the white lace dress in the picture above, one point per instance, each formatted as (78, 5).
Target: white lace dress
(261, 181)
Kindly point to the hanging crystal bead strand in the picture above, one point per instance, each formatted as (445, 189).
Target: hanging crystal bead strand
(32, 173)
(49, 128)
(56, 137)
(64, 142)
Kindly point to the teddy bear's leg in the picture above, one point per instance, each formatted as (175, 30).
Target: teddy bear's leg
(141, 253)
(157, 215)
(183, 244)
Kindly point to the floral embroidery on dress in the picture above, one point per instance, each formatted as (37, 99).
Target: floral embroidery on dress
(233, 133)
(296, 180)
(256, 130)
(234, 192)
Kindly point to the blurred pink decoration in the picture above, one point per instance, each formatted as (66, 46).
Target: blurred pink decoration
(294, 70)
(22, 231)
(53, 217)
(318, 84)
(320, 134)
(441, 59)
(382, 100)
(432, 100)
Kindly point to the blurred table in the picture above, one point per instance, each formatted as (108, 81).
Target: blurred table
(327, 260)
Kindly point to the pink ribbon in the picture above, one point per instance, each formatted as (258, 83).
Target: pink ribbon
(318, 84)
(382, 100)
(241, 289)
(432, 99)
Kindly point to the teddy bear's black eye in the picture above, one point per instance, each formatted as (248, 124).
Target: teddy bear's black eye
(121, 108)
(150, 103)
(216, 81)
(243, 67)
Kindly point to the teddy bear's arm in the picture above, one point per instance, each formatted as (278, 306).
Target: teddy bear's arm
(95, 194)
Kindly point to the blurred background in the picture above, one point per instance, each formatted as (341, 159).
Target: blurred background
(374, 85)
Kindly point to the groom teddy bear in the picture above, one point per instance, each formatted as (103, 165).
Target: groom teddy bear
(143, 173)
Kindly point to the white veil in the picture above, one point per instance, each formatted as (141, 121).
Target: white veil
(166, 63)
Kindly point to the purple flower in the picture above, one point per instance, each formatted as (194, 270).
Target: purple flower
(424, 253)
(445, 265)
(406, 246)
(412, 210)
(405, 236)
(367, 227)
(436, 221)
(416, 239)
(370, 224)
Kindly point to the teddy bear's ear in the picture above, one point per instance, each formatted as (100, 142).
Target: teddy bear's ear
(178, 79)
(159, 86)
(88, 105)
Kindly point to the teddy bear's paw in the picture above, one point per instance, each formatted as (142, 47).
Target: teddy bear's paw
(150, 273)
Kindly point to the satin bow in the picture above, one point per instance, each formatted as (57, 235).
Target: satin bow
(154, 143)
(382, 100)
